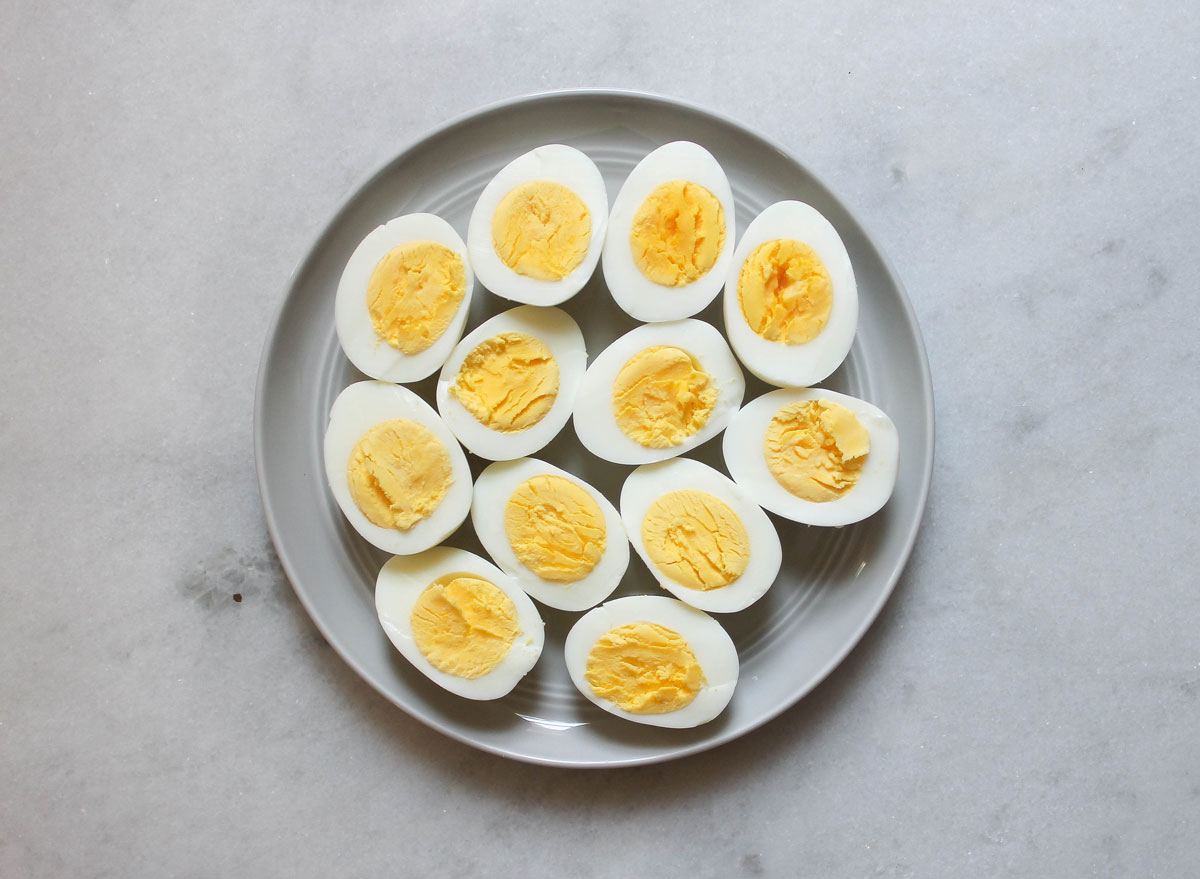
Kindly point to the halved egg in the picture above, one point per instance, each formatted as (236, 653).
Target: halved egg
(460, 620)
(791, 302)
(537, 230)
(557, 536)
(658, 391)
(702, 536)
(813, 456)
(403, 298)
(670, 234)
(394, 468)
(509, 386)
(653, 660)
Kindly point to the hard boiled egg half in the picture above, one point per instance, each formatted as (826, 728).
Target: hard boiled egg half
(813, 456)
(658, 391)
(396, 471)
(403, 298)
(537, 231)
(558, 537)
(653, 660)
(509, 386)
(705, 540)
(459, 620)
(670, 234)
(791, 302)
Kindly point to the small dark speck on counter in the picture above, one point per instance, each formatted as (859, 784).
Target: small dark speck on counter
(237, 596)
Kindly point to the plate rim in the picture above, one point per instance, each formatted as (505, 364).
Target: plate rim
(360, 186)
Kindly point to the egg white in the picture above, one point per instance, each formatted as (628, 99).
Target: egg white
(557, 163)
(744, 456)
(648, 483)
(636, 294)
(356, 410)
(401, 582)
(559, 332)
(495, 486)
(356, 333)
(595, 424)
(706, 637)
(775, 362)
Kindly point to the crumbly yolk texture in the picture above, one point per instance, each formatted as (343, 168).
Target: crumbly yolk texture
(399, 473)
(785, 292)
(696, 539)
(541, 229)
(464, 625)
(555, 528)
(662, 396)
(644, 668)
(413, 294)
(508, 382)
(677, 233)
(816, 449)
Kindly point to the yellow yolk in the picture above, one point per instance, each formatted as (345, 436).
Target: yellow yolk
(555, 528)
(696, 539)
(662, 396)
(541, 230)
(398, 473)
(464, 625)
(644, 668)
(785, 292)
(677, 233)
(508, 382)
(816, 449)
(414, 293)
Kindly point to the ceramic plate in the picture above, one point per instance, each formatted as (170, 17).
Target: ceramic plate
(833, 582)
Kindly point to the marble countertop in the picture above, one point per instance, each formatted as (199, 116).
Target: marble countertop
(1029, 700)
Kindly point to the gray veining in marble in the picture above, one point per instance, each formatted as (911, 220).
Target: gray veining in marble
(1027, 704)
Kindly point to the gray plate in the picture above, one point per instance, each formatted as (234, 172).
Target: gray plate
(833, 582)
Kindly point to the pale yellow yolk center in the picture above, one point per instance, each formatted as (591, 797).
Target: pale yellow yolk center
(816, 449)
(508, 382)
(785, 292)
(555, 528)
(677, 233)
(541, 229)
(644, 668)
(662, 396)
(399, 472)
(414, 293)
(696, 540)
(464, 625)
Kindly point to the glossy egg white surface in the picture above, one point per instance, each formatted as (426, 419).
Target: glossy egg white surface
(595, 423)
(706, 637)
(648, 483)
(553, 162)
(356, 333)
(402, 580)
(744, 457)
(495, 486)
(636, 294)
(356, 410)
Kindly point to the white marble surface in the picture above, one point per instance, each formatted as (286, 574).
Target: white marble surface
(1027, 704)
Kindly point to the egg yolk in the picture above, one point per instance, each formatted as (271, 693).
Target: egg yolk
(555, 528)
(677, 233)
(662, 396)
(785, 292)
(413, 294)
(399, 472)
(696, 539)
(816, 449)
(464, 625)
(541, 229)
(644, 668)
(508, 382)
